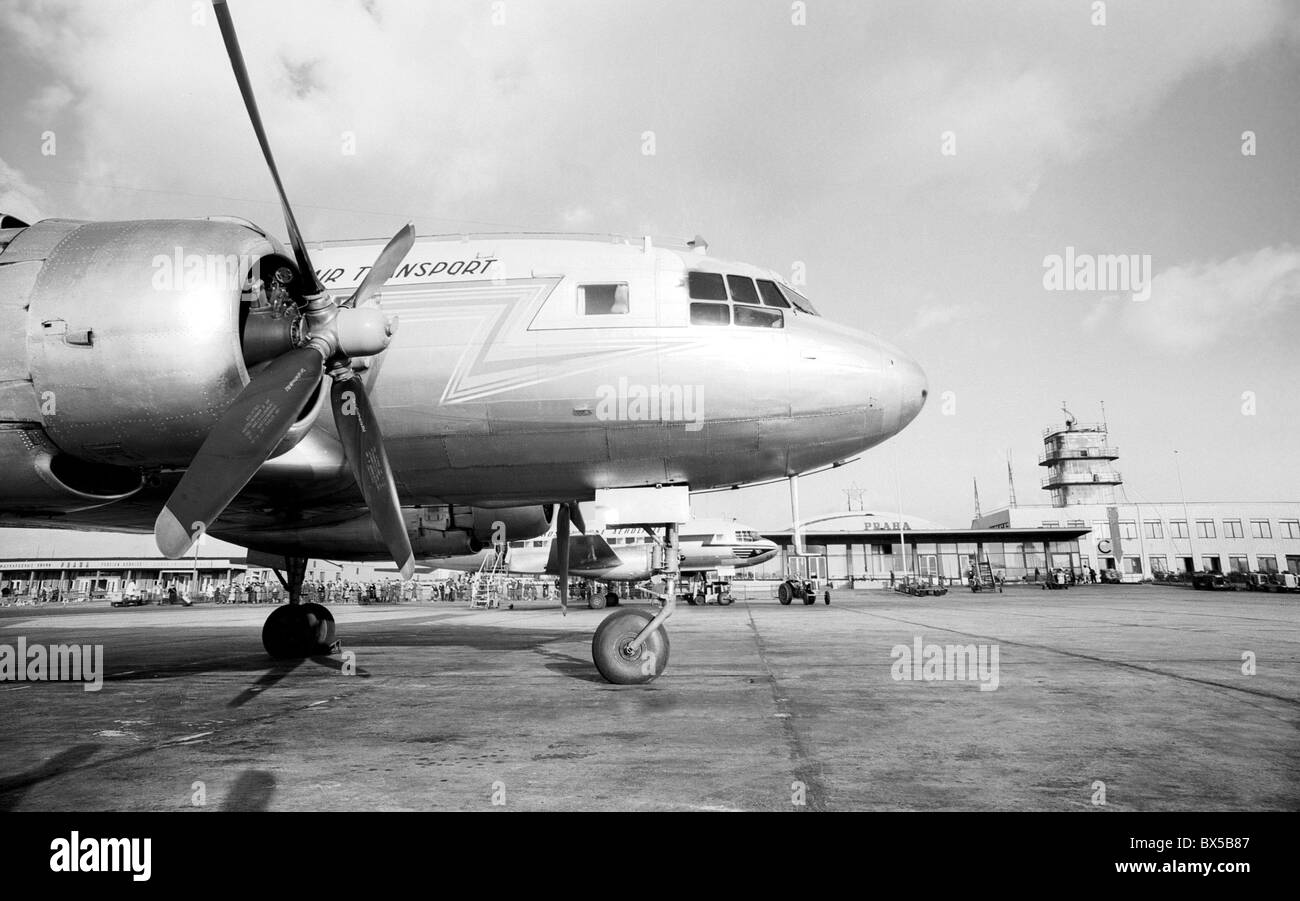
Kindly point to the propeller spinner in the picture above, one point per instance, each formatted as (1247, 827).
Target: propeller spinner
(256, 422)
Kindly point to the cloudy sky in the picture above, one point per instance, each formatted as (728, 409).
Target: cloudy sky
(919, 160)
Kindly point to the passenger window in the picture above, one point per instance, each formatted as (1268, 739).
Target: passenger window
(706, 286)
(602, 300)
(758, 317)
(742, 289)
(710, 314)
(772, 294)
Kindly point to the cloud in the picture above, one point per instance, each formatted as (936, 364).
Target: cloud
(458, 117)
(1201, 304)
(932, 317)
(17, 197)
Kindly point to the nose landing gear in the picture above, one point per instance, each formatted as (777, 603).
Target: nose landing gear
(625, 652)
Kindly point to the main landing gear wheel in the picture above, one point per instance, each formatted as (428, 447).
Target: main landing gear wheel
(611, 599)
(616, 661)
(597, 602)
(298, 630)
(784, 593)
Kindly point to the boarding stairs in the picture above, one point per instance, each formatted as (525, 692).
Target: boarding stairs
(488, 584)
(984, 580)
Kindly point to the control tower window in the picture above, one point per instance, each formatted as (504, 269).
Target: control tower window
(742, 289)
(801, 303)
(602, 300)
(706, 286)
(710, 313)
(772, 294)
(757, 317)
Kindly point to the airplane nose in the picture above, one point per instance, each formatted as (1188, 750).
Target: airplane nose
(913, 389)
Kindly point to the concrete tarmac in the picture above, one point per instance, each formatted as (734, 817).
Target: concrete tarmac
(1131, 695)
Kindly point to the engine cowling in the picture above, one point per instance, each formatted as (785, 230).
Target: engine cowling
(133, 330)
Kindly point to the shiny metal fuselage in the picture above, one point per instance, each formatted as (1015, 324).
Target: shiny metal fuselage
(500, 388)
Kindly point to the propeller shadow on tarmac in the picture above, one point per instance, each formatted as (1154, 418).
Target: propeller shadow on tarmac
(252, 791)
(14, 788)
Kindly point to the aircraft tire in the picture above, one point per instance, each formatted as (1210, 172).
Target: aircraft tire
(596, 602)
(618, 665)
(611, 599)
(297, 631)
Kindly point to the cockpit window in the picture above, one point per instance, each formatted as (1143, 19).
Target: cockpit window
(757, 317)
(742, 289)
(801, 303)
(772, 294)
(710, 314)
(603, 300)
(746, 536)
(706, 286)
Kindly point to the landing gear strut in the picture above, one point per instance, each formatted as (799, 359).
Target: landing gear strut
(298, 630)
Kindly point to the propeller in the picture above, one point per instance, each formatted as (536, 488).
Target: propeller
(327, 336)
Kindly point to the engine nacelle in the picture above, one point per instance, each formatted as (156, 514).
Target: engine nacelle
(133, 330)
(39, 479)
(516, 523)
(434, 532)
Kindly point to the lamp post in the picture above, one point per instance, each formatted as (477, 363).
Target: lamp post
(1191, 546)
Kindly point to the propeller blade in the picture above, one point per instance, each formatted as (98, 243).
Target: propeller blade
(306, 273)
(359, 430)
(389, 259)
(241, 441)
(576, 515)
(562, 552)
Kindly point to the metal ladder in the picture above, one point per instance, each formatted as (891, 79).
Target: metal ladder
(984, 580)
(485, 591)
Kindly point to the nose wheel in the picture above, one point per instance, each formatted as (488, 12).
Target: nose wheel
(620, 658)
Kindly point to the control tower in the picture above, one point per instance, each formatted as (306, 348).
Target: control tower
(1080, 463)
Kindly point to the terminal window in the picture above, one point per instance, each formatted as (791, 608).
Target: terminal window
(1261, 528)
(1154, 529)
(1128, 529)
(1133, 565)
(1158, 565)
(1238, 564)
(1205, 528)
(1178, 528)
(1232, 528)
(1267, 563)
(1291, 528)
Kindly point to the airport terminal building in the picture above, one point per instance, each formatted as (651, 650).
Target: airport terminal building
(1142, 540)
